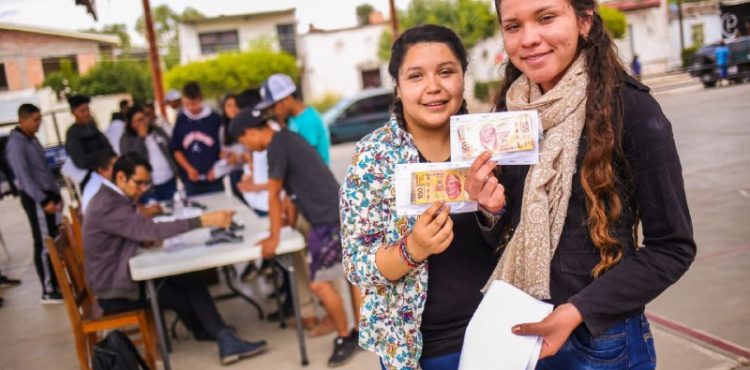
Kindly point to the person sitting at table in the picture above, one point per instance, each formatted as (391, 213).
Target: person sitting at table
(113, 231)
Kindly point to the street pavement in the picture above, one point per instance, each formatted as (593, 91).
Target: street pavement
(703, 320)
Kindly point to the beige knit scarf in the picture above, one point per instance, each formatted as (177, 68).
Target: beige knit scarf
(526, 260)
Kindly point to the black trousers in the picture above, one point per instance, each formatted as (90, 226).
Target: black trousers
(42, 225)
(185, 294)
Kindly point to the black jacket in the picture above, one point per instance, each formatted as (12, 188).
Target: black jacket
(656, 193)
(84, 142)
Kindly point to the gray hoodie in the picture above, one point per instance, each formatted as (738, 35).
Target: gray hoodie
(26, 158)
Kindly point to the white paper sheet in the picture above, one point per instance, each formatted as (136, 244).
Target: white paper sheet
(489, 343)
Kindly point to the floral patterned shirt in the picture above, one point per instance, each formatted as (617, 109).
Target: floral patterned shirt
(391, 310)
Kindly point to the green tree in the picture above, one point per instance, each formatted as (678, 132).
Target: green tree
(110, 77)
(118, 29)
(106, 77)
(233, 71)
(614, 21)
(63, 82)
(472, 20)
(363, 14)
(165, 27)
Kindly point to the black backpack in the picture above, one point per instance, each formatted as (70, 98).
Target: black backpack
(117, 352)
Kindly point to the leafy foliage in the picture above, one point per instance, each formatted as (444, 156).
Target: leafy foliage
(117, 29)
(65, 81)
(165, 26)
(233, 72)
(363, 14)
(614, 21)
(472, 20)
(107, 77)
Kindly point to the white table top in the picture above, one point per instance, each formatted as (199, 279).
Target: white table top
(192, 254)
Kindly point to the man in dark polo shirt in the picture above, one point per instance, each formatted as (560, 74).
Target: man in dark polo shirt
(295, 167)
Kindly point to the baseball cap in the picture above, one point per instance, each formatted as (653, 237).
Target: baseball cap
(247, 118)
(172, 95)
(275, 88)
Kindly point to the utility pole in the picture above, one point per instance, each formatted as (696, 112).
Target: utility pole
(394, 19)
(153, 53)
(682, 33)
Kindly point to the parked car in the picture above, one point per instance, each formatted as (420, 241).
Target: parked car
(356, 116)
(703, 64)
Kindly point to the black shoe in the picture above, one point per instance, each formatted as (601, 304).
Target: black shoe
(232, 349)
(52, 298)
(203, 336)
(8, 282)
(343, 350)
(1, 301)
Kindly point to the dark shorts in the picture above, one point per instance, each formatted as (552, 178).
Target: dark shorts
(324, 246)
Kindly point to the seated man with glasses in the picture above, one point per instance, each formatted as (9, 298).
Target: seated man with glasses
(113, 230)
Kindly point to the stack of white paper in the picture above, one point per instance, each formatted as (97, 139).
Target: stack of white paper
(489, 342)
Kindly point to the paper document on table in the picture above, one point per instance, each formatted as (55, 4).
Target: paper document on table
(512, 137)
(418, 185)
(489, 343)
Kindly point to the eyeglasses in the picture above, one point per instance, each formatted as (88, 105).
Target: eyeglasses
(144, 184)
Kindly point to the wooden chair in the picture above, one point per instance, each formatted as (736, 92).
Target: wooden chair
(79, 304)
(73, 225)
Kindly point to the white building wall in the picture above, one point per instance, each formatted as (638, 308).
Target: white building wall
(650, 39)
(248, 30)
(711, 31)
(333, 61)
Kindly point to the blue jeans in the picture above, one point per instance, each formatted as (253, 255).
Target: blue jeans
(161, 193)
(627, 345)
(444, 362)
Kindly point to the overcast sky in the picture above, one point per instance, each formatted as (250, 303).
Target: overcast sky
(64, 14)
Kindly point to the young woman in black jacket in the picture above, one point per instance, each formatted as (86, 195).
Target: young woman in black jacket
(608, 162)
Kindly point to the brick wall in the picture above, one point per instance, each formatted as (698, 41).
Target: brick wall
(22, 54)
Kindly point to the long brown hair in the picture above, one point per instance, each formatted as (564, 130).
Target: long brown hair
(604, 171)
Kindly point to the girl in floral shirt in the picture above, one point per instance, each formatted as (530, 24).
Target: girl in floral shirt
(410, 318)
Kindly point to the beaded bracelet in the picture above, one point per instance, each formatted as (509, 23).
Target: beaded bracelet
(406, 256)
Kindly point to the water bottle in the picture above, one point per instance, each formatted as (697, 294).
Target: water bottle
(178, 203)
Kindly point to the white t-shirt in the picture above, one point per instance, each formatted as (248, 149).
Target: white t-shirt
(258, 199)
(114, 133)
(92, 187)
(162, 172)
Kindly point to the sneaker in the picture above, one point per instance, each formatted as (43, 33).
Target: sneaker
(343, 350)
(232, 349)
(8, 282)
(52, 298)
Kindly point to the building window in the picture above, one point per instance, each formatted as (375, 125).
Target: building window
(287, 39)
(697, 34)
(52, 65)
(214, 42)
(371, 78)
(3, 79)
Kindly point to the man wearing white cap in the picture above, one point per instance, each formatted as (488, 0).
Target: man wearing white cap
(278, 98)
(173, 99)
